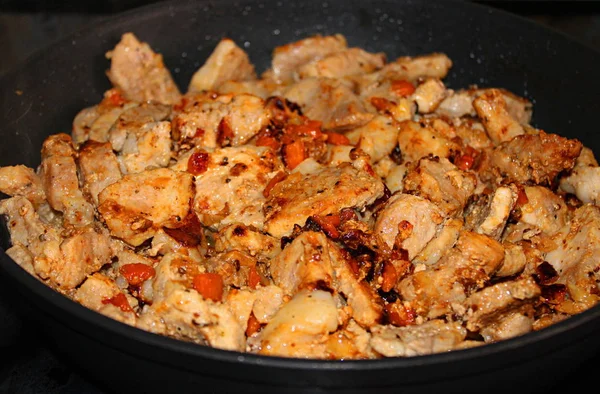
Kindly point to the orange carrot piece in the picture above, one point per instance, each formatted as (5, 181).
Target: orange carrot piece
(253, 325)
(294, 154)
(137, 273)
(403, 88)
(119, 301)
(209, 285)
(253, 278)
(337, 139)
(280, 176)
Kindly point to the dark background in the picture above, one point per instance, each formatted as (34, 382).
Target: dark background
(27, 366)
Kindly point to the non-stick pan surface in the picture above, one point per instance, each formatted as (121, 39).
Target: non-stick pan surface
(488, 48)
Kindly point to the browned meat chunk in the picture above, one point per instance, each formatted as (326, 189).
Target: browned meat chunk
(329, 190)
(98, 167)
(140, 73)
(228, 62)
(22, 181)
(288, 58)
(329, 101)
(534, 158)
(58, 172)
(137, 205)
(343, 63)
(213, 121)
(443, 287)
(442, 183)
(492, 310)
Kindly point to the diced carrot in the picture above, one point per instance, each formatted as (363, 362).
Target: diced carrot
(180, 105)
(198, 163)
(280, 176)
(115, 98)
(119, 301)
(337, 139)
(253, 325)
(329, 224)
(224, 133)
(390, 276)
(294, 154)
(267, 140)
(465, 162)
(399, 315)
(521, 196)
(253, 278)
(137, 273)
(403, 88)
(309, 128)
(209, 285)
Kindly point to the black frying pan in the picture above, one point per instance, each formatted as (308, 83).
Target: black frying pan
(488, 47)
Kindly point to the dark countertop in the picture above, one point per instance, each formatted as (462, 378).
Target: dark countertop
(28, 25)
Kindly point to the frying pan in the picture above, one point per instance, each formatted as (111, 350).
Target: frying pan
(488, 47)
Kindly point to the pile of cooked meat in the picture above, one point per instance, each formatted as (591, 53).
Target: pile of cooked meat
(338, 205)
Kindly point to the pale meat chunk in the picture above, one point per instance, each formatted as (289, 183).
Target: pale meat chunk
(457, 104)
(288, 58)
(213, 121)
(424, 218)
(383, 98)
(443, 241)
(441, 182)
(460, 103)
(431, 337)
(24, 223)
(82, 254)
(329, 101)
(365, 309)
(20, 180)
(58, 172)
(299, 328)
(429, 95)
(140, 73)
(508, 325)
(534, 158)
(231, 189)
(544, 210)
(514, 261)
(98, 167)
(329, 190)
(418, 139)
(255, 243)
(577, 257)
(259, 88)
(227, 62)
(490, 215)
(137, 205)
(312, 261)
(491, 307)
(499, 124)
(94, 123)
(584, 180)
(132, 120)
(148, 147)
(303, 264)
(434, 65)
(269, 300)
(95, 294)
(185, 314)
(378, 138)
(343, 63)
(441, 289)
(23, 257)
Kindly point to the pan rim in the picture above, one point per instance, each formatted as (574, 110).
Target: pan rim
(74, 309)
